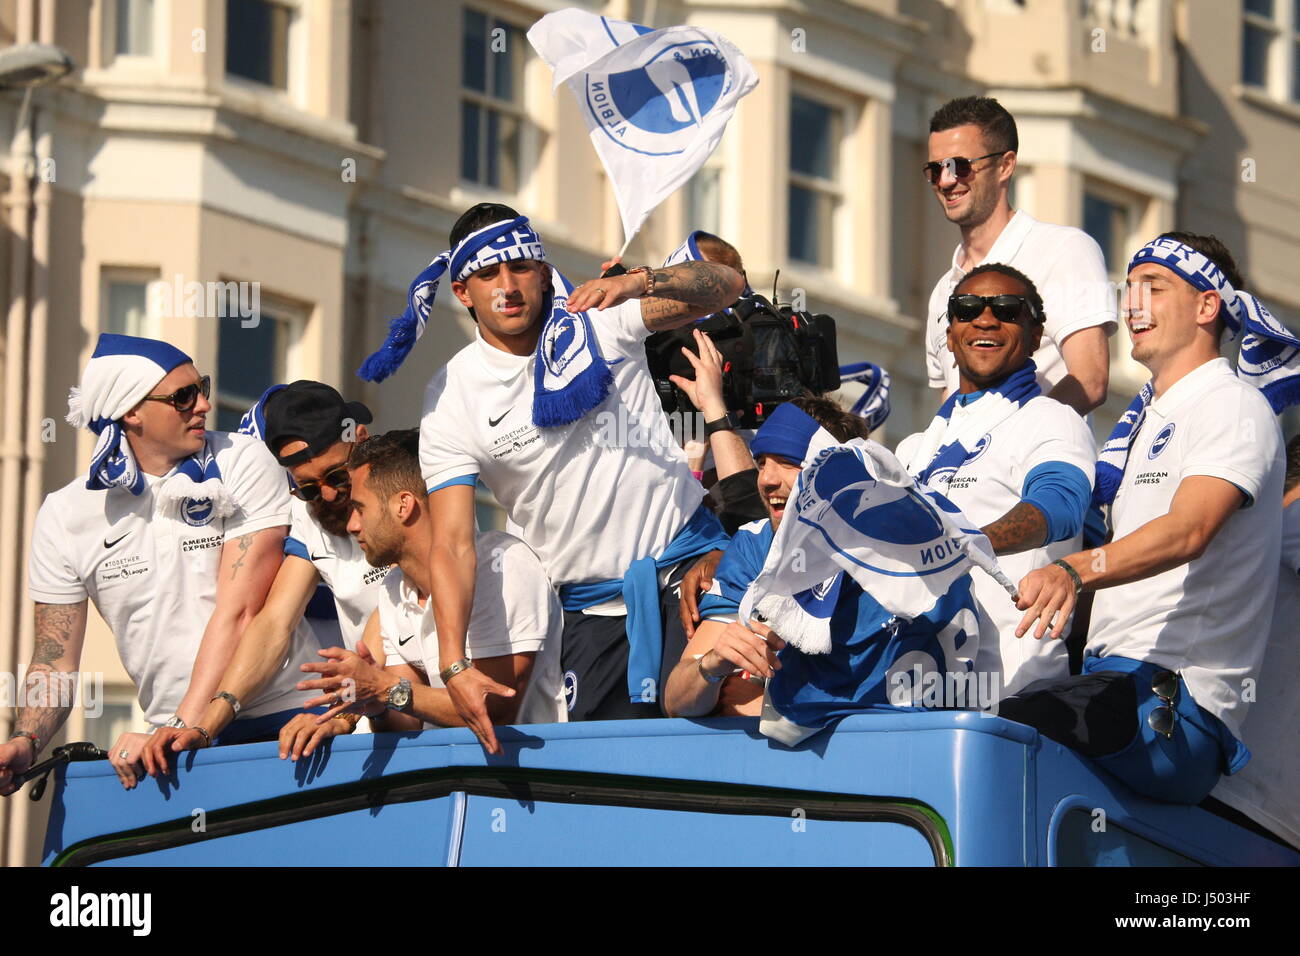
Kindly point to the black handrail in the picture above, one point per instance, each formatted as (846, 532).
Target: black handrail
(66, 753)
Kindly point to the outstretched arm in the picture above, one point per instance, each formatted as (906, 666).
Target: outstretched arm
(682, 293)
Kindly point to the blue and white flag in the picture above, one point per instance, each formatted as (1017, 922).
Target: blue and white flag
(656, 102)
(856, 510)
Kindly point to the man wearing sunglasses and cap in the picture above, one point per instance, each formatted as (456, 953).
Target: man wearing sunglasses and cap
(310, 429)
(176, 534)
(1017, 463)
(972, 156)
(1193, 475)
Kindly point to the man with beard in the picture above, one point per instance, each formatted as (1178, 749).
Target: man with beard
(514, 627)
(310, 429)
(972, 150)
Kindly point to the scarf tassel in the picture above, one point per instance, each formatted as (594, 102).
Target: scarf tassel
(565, 406)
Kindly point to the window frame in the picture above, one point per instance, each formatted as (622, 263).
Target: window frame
(145, 276)
(293, 318)
(833, 190)
(489, 102)
(295, 64)
(1282, 69)
(111, 58)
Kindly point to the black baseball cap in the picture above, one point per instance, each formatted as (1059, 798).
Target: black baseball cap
(312, 412)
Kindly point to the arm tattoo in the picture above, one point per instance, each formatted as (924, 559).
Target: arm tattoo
(49, 691)
(245, 542)
(687, 290)
(1022, 528)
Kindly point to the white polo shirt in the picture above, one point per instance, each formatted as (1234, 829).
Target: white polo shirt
(986, 487)
(590, 497)
(515, 612)
(1268, 789)
(153, 576)
(342, 565)
(1067, 267)
(1208, 619)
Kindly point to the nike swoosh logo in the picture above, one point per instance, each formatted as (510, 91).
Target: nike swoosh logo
(108, 544)
(404, 640)
(494, 422)
(319, 557)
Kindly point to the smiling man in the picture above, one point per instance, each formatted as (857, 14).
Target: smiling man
(972, 157)
(176, 535)
(1193, 474)
(1017, 463)
(615, 526)
(713, 675)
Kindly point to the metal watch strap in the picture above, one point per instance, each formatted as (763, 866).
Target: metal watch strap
(649, 279)
(447, 673)
(175, 721)
(229, 698)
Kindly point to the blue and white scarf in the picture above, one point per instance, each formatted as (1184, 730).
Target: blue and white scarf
(571, 376)
(934, 462)
(873, 403)
(1269, 358)
(689, 251)
(122, 370)
(856, 510)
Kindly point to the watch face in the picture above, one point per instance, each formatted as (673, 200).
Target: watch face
(400, 695)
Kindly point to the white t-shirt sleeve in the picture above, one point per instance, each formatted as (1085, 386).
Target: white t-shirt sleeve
(51, 577)
(444, 456)
(1061, 435)
(1076, 290)
(514, 614)
(935, 340)
(907, 446)
(1232, 440)
(621, 330)
(259, 488)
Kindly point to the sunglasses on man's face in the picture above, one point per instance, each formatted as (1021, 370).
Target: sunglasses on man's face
(959, 166)
(337, 479)
(1005, 308)
(184, 399)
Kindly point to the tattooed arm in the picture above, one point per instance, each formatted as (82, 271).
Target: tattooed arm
(248, 567)
(1023, 528)
(48, 687)
(682, 293)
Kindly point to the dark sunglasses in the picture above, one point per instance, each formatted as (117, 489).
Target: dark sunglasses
(184, 399)
(962, 168)
(310, 490)
(1164, 684)
(1005, 308)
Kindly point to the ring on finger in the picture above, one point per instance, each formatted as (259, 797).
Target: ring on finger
(124, 754)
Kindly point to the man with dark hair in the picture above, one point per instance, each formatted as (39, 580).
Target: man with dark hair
(614, 526)
(1193, 476)
(1017, 463)
(310, 429)
(1267, 791)
(712, 676)
(396, 676)
(972, 156)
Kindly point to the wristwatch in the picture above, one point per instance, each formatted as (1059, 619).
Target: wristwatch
(174, 721)
(399, 696)
(724, 424)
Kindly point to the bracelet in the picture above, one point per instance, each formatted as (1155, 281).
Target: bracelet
(350, 719)
(699, 665)
(36, 741)
(1074, 575)
(173, 721)
(452, 670)
(229, 698)
(649, 279)
(207, 737)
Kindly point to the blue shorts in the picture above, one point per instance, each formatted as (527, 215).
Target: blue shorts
(256, 730)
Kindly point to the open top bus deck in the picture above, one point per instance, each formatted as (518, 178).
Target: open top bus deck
(914, 789)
